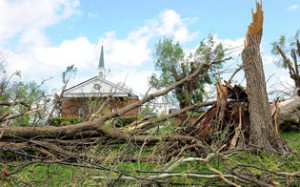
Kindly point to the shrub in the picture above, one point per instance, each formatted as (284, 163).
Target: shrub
(63, 121)
(123, 121)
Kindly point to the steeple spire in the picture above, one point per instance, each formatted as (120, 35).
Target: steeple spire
(101, 68)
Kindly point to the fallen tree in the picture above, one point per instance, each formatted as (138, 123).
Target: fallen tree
(289, 114)
(12, 136)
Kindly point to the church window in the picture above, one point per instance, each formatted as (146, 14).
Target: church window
(80, 113)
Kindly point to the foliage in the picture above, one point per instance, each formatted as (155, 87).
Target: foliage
(173, 64)
(63, 121)
(290, 62)
(286, 47)
(22, 103)
(282, 44)
(68, 74)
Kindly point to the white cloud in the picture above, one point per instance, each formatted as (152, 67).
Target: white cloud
(287, 81)
(33, 37)
(41, 59)
(283, 87)
(293, 7)
(170, 20)
(19, 62)
(30, 16)
(43, 62)
(128, 52)
(79, 52)
(134, 50)
(268, 59)
(173, 24)
(136, 80)
(232, 47)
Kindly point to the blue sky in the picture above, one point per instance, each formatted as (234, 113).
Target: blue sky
(41, 38)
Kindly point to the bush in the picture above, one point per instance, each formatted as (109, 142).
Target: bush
(64, 121)
(123, 121)
(289, 127)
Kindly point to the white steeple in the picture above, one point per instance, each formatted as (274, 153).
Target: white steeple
(101, 68)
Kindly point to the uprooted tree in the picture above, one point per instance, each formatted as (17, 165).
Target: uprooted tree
(243, 117)
(238, 118)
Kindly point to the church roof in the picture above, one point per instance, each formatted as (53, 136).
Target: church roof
(98, 87)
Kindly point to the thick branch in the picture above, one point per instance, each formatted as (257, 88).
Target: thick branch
(151, 123)
(14, 103)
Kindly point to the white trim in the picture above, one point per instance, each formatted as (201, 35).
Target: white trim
(95, 95)
(87, 89)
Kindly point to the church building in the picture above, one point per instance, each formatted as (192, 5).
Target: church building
(97, 96)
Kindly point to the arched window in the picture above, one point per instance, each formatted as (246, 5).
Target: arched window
(80, 113)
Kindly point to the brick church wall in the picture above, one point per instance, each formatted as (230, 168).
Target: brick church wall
(71, 106)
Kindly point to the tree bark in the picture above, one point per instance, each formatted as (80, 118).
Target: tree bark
(262, 130)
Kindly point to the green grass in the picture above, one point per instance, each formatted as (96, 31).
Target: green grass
(41, 174)
(251, 163)
(292, 139)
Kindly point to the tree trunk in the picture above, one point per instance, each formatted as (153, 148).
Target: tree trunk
(262, 130)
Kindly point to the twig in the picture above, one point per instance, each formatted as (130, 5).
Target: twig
(238, 131)
(235, 72)
(168, 175)
(189, 159)
(294, 174)
(9, 117)
(250, 179)
(223, 177)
